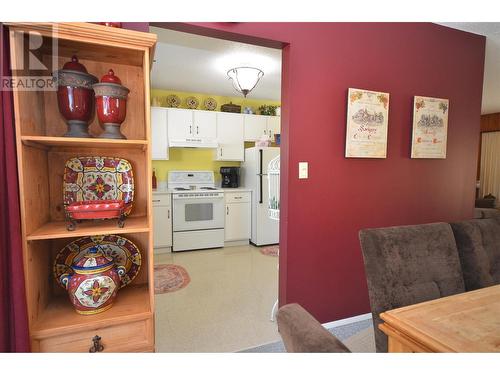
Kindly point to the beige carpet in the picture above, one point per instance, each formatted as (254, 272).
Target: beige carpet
(361, 342)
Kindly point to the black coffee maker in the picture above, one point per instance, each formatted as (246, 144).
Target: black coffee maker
(230, 177)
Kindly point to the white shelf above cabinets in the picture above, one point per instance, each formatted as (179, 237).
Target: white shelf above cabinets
(230, 137)
(159, 133)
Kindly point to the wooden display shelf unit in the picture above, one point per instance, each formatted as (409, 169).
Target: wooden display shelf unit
(41, 154)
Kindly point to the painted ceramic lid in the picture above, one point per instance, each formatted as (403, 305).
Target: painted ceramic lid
(75, 65)
(111, 78)
(92, 260)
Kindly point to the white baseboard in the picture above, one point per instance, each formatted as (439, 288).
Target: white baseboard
(343, 322)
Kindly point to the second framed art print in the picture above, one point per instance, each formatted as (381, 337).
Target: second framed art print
(430, 128)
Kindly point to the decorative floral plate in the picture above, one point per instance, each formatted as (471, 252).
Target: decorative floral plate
(92, 178)
(210, 104)
(123, 251)
(192, 102)
(173, 101)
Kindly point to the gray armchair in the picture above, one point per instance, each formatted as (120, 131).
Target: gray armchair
(406, 265)
(301, 333)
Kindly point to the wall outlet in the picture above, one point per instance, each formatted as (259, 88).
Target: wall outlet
(303, 170)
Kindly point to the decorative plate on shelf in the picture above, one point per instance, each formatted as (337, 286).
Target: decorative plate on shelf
(92, 178)
(210, 104)
(192, 102)
(123, 251)
(173, 101)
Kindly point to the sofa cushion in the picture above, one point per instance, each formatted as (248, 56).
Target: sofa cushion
(478, 244)
(407, 265)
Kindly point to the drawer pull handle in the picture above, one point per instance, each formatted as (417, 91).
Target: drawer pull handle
(96, 345)
(238, 197)
(156, 200)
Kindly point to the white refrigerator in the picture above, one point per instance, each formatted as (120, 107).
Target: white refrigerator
(265, 231)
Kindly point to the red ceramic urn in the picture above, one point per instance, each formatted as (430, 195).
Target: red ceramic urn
(111, 99)
(95, 280)
(75, 97)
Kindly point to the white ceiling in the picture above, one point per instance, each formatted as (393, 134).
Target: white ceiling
(188, 62)
(491, 84)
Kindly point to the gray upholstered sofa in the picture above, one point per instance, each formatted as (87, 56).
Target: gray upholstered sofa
(478, 244)
(406, 265)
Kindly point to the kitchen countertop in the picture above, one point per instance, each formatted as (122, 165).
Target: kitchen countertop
(236, 190)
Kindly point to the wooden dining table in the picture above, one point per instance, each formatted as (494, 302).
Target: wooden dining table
(465, 322)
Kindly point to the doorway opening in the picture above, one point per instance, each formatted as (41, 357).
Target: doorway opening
(216, 230)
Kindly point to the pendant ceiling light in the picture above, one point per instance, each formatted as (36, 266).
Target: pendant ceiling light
(245, 78)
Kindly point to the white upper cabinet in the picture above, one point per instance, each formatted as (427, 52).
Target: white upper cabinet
(159, 133)
(273, 126)
(191, 128)
(230, 137)
(180, 123)
(204, 124)
(255, 127)
(196, 128)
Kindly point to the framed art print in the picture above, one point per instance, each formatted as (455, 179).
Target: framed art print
(430, 128)
(367, 123)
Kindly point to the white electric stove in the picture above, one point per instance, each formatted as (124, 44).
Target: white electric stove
(197, 210)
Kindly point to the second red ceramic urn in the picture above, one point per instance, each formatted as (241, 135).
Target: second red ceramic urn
(111, 100)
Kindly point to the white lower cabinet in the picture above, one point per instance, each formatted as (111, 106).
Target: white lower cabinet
(162, 223)
(238, 216)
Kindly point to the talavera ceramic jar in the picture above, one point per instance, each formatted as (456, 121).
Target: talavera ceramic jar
(75, 97)
(111, 99)
(93, 285)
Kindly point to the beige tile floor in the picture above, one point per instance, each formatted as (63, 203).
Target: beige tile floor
(225, 308)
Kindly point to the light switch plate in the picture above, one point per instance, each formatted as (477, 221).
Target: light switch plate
(303, 169)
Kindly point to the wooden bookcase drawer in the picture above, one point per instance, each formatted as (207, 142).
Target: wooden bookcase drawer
(129, 337)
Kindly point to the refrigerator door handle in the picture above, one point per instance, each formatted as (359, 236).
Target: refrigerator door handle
(261, 157)
(260, 188)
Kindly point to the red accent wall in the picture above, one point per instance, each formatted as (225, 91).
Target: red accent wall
(321, 265)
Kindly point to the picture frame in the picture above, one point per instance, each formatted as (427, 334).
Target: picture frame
(367, 124)
(430, 128)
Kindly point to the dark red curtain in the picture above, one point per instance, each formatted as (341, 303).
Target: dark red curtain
(14, 335)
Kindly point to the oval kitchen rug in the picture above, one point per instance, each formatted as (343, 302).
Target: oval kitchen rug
(169, 278)
(272, 251)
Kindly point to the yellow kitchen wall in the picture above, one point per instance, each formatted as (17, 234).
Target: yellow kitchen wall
(190, 159)
(161, 96)
(201, 159)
